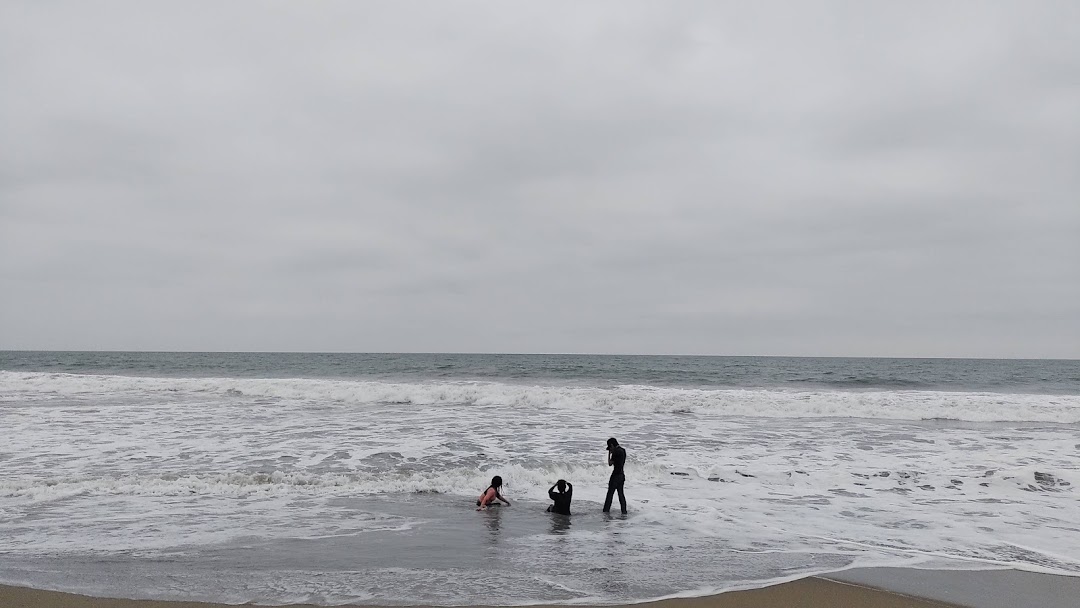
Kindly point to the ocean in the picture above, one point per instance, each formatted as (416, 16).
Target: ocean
(332, 478)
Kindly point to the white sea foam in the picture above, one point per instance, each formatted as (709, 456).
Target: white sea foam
(130, 465)
(887, 405)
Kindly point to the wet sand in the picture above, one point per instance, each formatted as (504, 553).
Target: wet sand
(804, 593)
(976, 588)
(858, 588)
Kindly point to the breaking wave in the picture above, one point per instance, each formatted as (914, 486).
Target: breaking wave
(768, 403)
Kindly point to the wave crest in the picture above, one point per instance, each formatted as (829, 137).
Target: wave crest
(18, 387)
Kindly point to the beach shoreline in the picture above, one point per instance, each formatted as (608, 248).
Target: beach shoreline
(859, 587)
(811, 592)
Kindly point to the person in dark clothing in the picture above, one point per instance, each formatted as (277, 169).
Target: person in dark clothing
(616, 458)
(562, 498)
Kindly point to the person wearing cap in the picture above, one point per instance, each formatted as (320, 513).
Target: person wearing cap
(616, 458)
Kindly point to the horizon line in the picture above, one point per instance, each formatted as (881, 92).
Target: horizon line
(534, 354)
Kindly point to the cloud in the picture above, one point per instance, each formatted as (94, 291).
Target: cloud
(766, 178)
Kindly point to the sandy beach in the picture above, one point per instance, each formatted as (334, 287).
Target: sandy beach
(861, 588)
(804, 593)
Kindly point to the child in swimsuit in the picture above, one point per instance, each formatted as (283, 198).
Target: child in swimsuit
(491, 494)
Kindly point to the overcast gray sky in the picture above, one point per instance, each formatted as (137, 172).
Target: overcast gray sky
(743, 178)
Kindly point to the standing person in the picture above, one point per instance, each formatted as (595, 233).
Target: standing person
(616, 457)
(491, 494)
(562, 498)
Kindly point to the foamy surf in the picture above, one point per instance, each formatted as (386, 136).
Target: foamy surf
(887, 405)
(327, 490)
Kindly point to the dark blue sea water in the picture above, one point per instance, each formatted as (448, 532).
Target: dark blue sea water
(1036, 376)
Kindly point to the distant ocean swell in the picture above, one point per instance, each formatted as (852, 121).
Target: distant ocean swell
(768, 403)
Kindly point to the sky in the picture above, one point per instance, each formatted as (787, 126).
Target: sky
(730, 178)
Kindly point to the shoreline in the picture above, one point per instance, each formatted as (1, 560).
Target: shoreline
(810, 592)
(859, 587)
